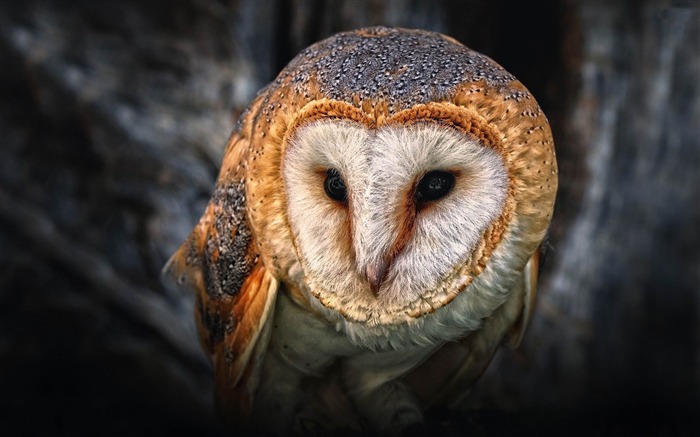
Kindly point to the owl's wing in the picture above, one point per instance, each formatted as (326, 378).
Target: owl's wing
(234, 292)
(234, 303)
(450, 372)
(517, 331)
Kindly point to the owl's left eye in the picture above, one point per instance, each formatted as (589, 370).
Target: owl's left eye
(335, 186)
(433, 186)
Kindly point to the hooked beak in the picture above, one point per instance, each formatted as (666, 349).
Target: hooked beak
(392, 243)
(376, 272)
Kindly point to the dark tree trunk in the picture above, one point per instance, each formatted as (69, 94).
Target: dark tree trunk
(113, 119)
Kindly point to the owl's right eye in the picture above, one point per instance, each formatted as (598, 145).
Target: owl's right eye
(335, 186)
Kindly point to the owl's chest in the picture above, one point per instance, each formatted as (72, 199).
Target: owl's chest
(313, 373)
(311, 345)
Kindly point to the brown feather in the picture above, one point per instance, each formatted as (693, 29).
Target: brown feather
(234, 292)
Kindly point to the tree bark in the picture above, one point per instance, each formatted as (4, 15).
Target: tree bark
(113, 119)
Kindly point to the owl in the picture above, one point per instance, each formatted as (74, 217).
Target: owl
(373, 234)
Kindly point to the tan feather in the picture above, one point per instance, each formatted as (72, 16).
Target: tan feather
(517, 331)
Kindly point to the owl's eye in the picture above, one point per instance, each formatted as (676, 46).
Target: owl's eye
(334, 186)
(434, 185)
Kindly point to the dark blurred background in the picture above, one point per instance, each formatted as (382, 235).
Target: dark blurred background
(113, 119)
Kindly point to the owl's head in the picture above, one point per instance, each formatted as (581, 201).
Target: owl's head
(405, 170)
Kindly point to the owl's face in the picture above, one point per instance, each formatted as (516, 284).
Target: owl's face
(385, 216)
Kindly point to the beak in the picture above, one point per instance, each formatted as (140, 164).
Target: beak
(392, 243)
(376, 272)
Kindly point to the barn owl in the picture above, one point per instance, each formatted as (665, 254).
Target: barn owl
(372, 237)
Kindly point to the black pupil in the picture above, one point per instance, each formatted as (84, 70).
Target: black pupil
(434, 185)
(335, 187)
